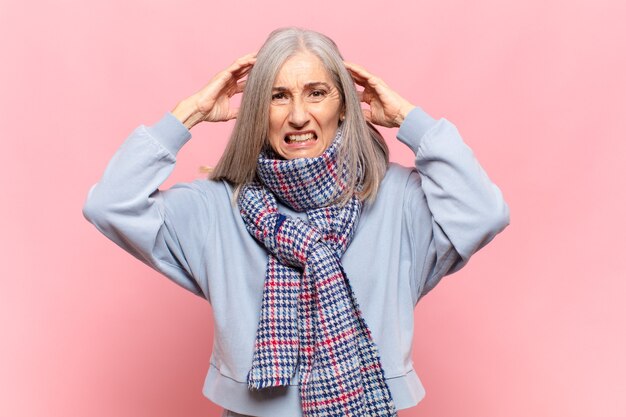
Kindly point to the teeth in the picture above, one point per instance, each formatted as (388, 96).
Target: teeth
(300, 138)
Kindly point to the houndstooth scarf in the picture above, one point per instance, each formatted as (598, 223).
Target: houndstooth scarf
(309, 315)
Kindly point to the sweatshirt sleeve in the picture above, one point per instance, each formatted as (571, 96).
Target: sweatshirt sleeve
(451, 206)
(127, 206)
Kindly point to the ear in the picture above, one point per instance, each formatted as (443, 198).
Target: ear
(342, 117)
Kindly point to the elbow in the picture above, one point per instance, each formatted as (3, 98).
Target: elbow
(90, 211)
(94, 209)
(488, 224)
(495, 214)
(494, 221)
(500, 218)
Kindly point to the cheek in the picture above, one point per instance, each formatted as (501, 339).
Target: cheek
(277, 117)
(274, 125)
(332, 111)
(331, 118)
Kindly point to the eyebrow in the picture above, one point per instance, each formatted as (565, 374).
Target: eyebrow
(315, 84)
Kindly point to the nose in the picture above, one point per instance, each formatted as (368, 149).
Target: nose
(298, 114)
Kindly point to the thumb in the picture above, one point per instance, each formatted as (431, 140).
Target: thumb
(232, 113)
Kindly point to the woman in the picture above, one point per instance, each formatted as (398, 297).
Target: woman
(311, 248)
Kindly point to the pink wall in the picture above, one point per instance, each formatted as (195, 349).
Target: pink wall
(534, 326)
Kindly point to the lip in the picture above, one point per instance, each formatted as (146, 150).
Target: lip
(298, 145)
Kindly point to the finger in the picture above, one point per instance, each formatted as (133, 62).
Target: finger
(240, 86)
(364, 96)
(359, 80)
(232, 114)
(244, 62)
(358, 70)
(245, 59)
(242, 72)
(236, 88)
(369, 95)
(248, 56)
(363, 77)
(367, 113)
(356, 75)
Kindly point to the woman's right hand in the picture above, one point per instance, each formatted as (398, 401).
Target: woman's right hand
(212, 103)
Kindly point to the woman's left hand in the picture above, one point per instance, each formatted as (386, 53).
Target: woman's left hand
(387, 108)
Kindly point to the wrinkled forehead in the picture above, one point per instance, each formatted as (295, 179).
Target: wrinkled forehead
(302, 69)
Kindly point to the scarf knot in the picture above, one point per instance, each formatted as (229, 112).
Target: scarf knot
(288, 239)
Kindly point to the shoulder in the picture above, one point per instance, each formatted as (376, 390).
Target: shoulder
(197, 195)
(206, 187)
(397, 186)
(396, 171)
(397, 178)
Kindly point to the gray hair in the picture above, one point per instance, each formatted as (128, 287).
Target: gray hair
(363, 151)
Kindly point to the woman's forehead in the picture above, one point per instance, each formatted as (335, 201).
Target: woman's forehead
(301, 70)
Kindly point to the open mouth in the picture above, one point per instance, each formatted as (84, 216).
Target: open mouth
(301, 137)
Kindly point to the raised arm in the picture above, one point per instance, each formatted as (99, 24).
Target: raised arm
(163, 228)
(451, 207)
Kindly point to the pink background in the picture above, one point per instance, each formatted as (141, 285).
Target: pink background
(534, 326)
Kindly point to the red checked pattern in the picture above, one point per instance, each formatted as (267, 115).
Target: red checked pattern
(310, 318)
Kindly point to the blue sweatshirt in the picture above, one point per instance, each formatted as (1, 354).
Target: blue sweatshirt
(426, 222)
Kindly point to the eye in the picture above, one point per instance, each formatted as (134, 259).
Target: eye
(317, 95)
(278, 96)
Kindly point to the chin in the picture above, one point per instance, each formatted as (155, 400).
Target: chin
(302, 153)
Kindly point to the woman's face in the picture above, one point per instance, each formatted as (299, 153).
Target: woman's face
(305, 108)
